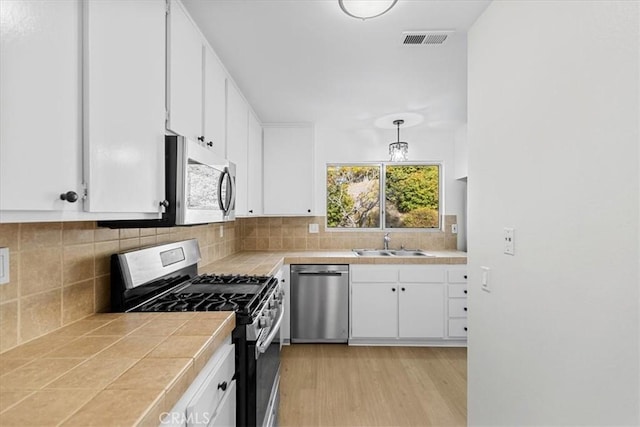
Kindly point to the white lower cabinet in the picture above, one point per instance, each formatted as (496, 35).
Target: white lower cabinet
(400, 304)
(211, 398)
(457, 303)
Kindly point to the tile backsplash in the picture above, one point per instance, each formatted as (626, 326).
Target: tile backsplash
(59, 272)
(292, 233)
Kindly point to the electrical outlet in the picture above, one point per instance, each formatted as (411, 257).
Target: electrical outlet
(4, 266)
(454, 228)
(314, 228)
(485, 279)
(509, 241)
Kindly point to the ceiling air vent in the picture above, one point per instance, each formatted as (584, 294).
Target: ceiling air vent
(414, 38)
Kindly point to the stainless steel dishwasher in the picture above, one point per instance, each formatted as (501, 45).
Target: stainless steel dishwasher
(319, 303)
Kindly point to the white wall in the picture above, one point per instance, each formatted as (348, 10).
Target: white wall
(553, 152)
(372, 145)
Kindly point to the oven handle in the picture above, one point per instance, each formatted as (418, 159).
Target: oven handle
(262, 348)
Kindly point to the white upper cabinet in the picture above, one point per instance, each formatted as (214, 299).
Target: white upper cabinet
(254, 167)
(214, 105)
(184, 74)
(124, 81)
(237, 140)
(40, 116)
(288, 169)
(45, 135)
(196, 83)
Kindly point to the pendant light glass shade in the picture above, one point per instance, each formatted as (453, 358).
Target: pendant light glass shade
(366, 9)
(399, 151)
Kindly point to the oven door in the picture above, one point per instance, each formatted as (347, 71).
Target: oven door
(204, 185)
(265, 395)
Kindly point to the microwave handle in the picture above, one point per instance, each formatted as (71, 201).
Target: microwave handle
(226, 205)
(220, 183)
(232, 193)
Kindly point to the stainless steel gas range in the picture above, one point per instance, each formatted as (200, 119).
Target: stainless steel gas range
(164, 279)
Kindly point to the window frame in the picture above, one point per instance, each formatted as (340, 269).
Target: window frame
(382, 195)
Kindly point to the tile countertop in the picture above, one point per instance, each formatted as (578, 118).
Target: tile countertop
(108, 369)
(269, 262)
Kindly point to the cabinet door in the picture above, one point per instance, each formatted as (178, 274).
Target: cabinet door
(225, 414)
(40, 116)
(374, 310)
(254, 167)
(237, 134)
(288, 170)
(184, 74)
(124, 105)
(214, 103)
(421, 310)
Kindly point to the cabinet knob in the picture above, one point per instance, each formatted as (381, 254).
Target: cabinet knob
(210, 143)
(250, 210)
(222, 386)
(393, 289)
(465, 328)
(164, 203)
(402, 289)
(465, 309)
(465, 276)
(309, 210)
(465, 291)
(69, 196)
(201, 138)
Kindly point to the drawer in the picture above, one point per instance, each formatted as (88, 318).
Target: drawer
(421, 275)
(374, 274)
(457, 276)
(457, 328)
(458, 307)
(215, 387)
(457, 291)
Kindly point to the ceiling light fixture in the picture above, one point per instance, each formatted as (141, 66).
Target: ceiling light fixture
(366, 9)
(399, 151)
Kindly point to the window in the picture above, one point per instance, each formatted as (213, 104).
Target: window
(409, 193)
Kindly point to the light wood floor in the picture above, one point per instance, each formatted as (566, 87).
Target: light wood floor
(338, 385)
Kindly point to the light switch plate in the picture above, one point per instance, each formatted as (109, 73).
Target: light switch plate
(314, 228)
(4, 266)
(509, 241)
(485, 279)
(454, 228)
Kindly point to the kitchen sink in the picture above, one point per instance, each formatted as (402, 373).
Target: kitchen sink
(392, 252)
(372, 252)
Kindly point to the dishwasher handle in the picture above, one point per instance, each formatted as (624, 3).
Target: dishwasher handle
(321, 273)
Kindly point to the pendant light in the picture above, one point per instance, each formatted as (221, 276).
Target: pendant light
(398, 150)
(366, 9)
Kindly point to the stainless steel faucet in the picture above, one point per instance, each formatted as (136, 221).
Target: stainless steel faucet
(386, 240)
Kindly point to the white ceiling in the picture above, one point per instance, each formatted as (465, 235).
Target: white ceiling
(306, 61)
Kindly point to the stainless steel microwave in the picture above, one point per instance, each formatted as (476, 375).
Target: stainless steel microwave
(199, 186)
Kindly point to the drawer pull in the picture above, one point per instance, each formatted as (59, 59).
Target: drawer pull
(393, 289)
(223, 385)
(465, 309)
(465, 276)
(402, 289)
(465, 291)
(465, 328)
